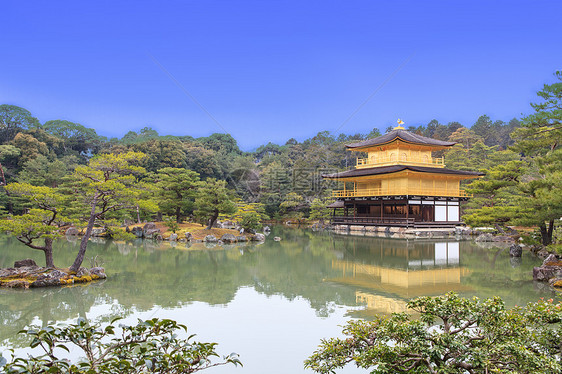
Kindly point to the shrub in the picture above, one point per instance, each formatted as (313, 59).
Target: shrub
(452, 335)
(149, 346)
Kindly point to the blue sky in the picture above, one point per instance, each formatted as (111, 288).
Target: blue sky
(273, 70)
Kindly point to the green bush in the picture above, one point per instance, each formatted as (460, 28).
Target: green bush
(172, 224)
(451, 335)
(250, 220)
(149, 346)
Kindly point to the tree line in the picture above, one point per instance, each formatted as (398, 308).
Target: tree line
(201, 178)
(286, 178)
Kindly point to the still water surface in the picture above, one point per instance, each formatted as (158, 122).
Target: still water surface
(271, 303)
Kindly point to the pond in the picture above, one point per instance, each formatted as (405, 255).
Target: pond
(272, 303)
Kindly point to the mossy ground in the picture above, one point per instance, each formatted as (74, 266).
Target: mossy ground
(26, 278)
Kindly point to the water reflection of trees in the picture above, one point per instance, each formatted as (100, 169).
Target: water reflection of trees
(322, 268)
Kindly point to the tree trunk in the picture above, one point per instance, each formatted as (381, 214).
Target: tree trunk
(499, 228)
(84, 242)
(48, 250)
(178, 214)
(550, 230)
(545, 237)
(213, 219)
(138, 215)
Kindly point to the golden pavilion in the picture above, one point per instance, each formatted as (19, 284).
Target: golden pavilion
(399, 183)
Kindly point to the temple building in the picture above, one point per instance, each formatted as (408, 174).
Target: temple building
(399, 183)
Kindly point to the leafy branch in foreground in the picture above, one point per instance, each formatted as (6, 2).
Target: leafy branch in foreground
(451, 335)
(150, 346)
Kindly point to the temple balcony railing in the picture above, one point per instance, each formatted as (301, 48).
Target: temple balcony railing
(411, 191)
(436, 162)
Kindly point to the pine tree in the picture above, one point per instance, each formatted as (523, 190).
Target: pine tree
(213, 198)
(176, 190)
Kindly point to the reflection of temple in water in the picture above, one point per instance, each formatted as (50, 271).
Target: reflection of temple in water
(386, 274)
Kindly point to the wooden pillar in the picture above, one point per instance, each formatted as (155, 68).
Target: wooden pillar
(407, 212)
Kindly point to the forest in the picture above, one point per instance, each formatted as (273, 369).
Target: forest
(521, 157)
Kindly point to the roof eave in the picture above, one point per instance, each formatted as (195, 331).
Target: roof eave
(441, 146)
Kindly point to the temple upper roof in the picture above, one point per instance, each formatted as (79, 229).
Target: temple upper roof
(404, 135)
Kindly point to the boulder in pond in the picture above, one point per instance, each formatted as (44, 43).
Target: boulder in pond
(149, 226)
(552, 260)
(503, 238)
(228, 225)
(46, 280)
(18, 283)
(277, 239)
(151, 233)
(98, 272)
(210, 239)
(545, 273)
(82, 272)
(556, 282)
(515, 250)
(25, 263)
(173, 237)
(241, 238)
(71, 231)
(137, 231)
(228, 238)
(188, 236)
(258, 237)
(99, 231)
(486, 237)
(543, 254)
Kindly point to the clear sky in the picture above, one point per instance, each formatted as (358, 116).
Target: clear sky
(272, 70)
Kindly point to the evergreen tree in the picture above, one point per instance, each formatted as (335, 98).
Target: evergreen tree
(539, 139)
(495, 199)
(107, 184)
(176, 190)
(213, 198)
(42, 222)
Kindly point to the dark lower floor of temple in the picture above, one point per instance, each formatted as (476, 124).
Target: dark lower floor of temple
(401, 212)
